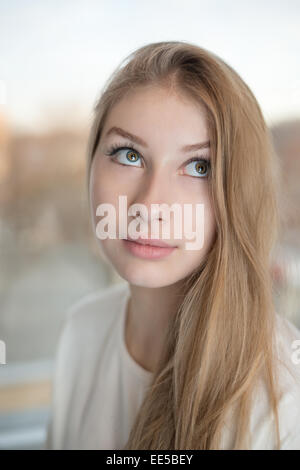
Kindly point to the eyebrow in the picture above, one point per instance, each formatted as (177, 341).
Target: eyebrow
(138, 140)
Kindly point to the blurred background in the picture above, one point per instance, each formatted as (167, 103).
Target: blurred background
(54, 58)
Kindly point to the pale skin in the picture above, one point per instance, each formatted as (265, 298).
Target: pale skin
(166, 122)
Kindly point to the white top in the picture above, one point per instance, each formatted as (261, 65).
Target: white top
(98, 387)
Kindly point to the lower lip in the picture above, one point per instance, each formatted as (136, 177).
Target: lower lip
(147, 251)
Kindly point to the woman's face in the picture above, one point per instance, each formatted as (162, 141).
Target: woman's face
(155, 173)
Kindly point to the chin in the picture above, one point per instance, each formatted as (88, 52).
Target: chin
(143, 276)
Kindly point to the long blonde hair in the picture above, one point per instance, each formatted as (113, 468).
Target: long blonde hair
(222, 336)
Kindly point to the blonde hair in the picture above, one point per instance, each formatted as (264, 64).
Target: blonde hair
(222, 336)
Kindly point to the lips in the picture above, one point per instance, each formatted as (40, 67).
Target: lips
(151, 242)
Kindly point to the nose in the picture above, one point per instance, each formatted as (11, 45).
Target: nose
(152, 192)
(150, 214)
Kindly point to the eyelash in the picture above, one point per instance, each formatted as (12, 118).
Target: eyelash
(117, 147)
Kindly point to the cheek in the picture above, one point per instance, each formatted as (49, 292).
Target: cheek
(103, 187)
(192, 258)
(209, 221)
(209, 227)
(202, 218)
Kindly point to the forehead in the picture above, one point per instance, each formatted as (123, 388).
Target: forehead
(156, 111)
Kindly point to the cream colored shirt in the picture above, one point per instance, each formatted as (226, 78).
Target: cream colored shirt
(98, 387)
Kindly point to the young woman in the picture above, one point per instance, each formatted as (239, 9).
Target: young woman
(188, 352)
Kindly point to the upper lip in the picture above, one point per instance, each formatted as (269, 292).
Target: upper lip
(151, 241)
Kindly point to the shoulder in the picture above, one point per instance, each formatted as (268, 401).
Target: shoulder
(87, 322)
(288, 354)
(97, 309)
(288, 367)
(262, 421)
(288, 343)
(86, 325)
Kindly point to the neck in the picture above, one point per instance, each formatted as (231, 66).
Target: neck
(149, 312)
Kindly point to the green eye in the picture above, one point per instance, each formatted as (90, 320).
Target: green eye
(132, 156)
(125, 158)
(199, 167)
